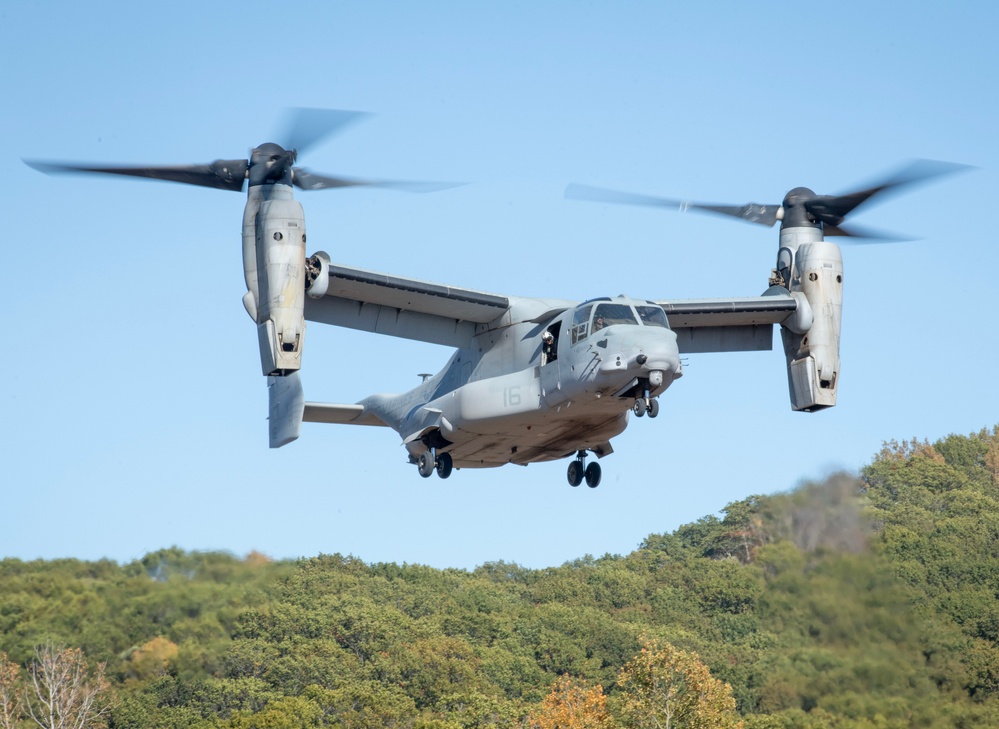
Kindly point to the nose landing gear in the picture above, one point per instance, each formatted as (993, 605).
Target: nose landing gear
(577, 472)
(646, 404)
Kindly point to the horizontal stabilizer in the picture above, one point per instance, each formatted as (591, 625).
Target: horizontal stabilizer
(324, 412)
(287, 404)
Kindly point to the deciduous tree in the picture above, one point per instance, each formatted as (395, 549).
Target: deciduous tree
(64, 693)
(667, 688)
(571, 705)
(152, 658)
(10, 692)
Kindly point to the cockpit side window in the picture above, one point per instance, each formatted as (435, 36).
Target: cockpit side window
(652, 316)
(580, 323)
(609, 314)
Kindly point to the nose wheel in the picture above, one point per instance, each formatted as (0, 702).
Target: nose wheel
(646, 404)
(578, 472)
(429, 462)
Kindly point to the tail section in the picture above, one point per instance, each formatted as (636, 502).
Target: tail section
(287, 407)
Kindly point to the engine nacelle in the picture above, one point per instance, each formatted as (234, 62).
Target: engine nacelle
(317, 275)
(274, 267)
(815, 269)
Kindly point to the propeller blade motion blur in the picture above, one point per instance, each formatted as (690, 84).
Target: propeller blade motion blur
(305, 128)
(753, 212)
(268, 162)
(221, 174)
(801, 206)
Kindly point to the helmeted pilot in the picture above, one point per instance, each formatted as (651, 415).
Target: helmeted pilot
(548, 347)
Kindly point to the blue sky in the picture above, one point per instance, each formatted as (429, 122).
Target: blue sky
(133, 411)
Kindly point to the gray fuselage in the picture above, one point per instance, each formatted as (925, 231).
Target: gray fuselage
(509, 398)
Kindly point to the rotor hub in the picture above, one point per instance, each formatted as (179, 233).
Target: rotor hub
(795, 209)
(270, 164)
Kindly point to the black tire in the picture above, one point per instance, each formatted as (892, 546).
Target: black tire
(444, 465)
(575, 473)
(639, 407)
(593, 475)
(653, 408)
(426, 465)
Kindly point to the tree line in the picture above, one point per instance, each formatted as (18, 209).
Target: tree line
(857, 601)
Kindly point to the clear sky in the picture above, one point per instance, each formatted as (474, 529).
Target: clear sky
(133, 413)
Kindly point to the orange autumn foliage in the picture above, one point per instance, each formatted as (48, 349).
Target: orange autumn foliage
(571, 705)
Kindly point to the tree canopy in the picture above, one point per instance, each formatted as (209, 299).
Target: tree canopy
(857, 601)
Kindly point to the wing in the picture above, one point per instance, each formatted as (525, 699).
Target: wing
(449, 315)
(735, 324)
(404, 307)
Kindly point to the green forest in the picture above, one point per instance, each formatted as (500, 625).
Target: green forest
(864, 600)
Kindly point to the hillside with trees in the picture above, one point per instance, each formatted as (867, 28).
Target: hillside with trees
(855, 602)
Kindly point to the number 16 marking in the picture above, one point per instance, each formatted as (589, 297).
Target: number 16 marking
(511, 396)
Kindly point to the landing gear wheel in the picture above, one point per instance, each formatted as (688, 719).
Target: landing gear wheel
(639, 407)
(426, 464)
(653, 408)
(575, 473)
(593, 475)
(444, 465)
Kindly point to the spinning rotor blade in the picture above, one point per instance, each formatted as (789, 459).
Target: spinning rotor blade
(220, 174)
(753, 212)
(306, 127)
(268, 163)
(602, 194)
(857, 235)
(801, 206)
(305, 180)
(831, 210)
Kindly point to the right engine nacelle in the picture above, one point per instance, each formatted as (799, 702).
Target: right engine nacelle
(814, 267)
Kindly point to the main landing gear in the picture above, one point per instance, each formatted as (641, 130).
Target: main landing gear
(428, 462)
(646, 404)
(577, 472)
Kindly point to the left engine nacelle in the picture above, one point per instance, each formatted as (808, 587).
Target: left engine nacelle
(274, 267)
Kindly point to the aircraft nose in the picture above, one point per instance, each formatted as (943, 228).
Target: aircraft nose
(641, 352)
(663, 357)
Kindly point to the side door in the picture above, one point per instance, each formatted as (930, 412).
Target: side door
(551, 380)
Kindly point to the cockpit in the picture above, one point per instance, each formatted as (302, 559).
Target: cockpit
(591, 317)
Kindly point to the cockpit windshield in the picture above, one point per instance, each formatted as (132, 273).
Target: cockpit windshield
(580, 324)
(607, 315)
(652, 316)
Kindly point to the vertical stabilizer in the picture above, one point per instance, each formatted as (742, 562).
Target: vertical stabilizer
(287, 406)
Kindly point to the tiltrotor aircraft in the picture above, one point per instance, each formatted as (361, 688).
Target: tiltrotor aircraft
(531, 379)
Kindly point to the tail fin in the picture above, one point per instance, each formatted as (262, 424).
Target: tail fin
(287, 406)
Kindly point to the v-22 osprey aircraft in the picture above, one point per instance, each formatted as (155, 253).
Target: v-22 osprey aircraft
(531, 379)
